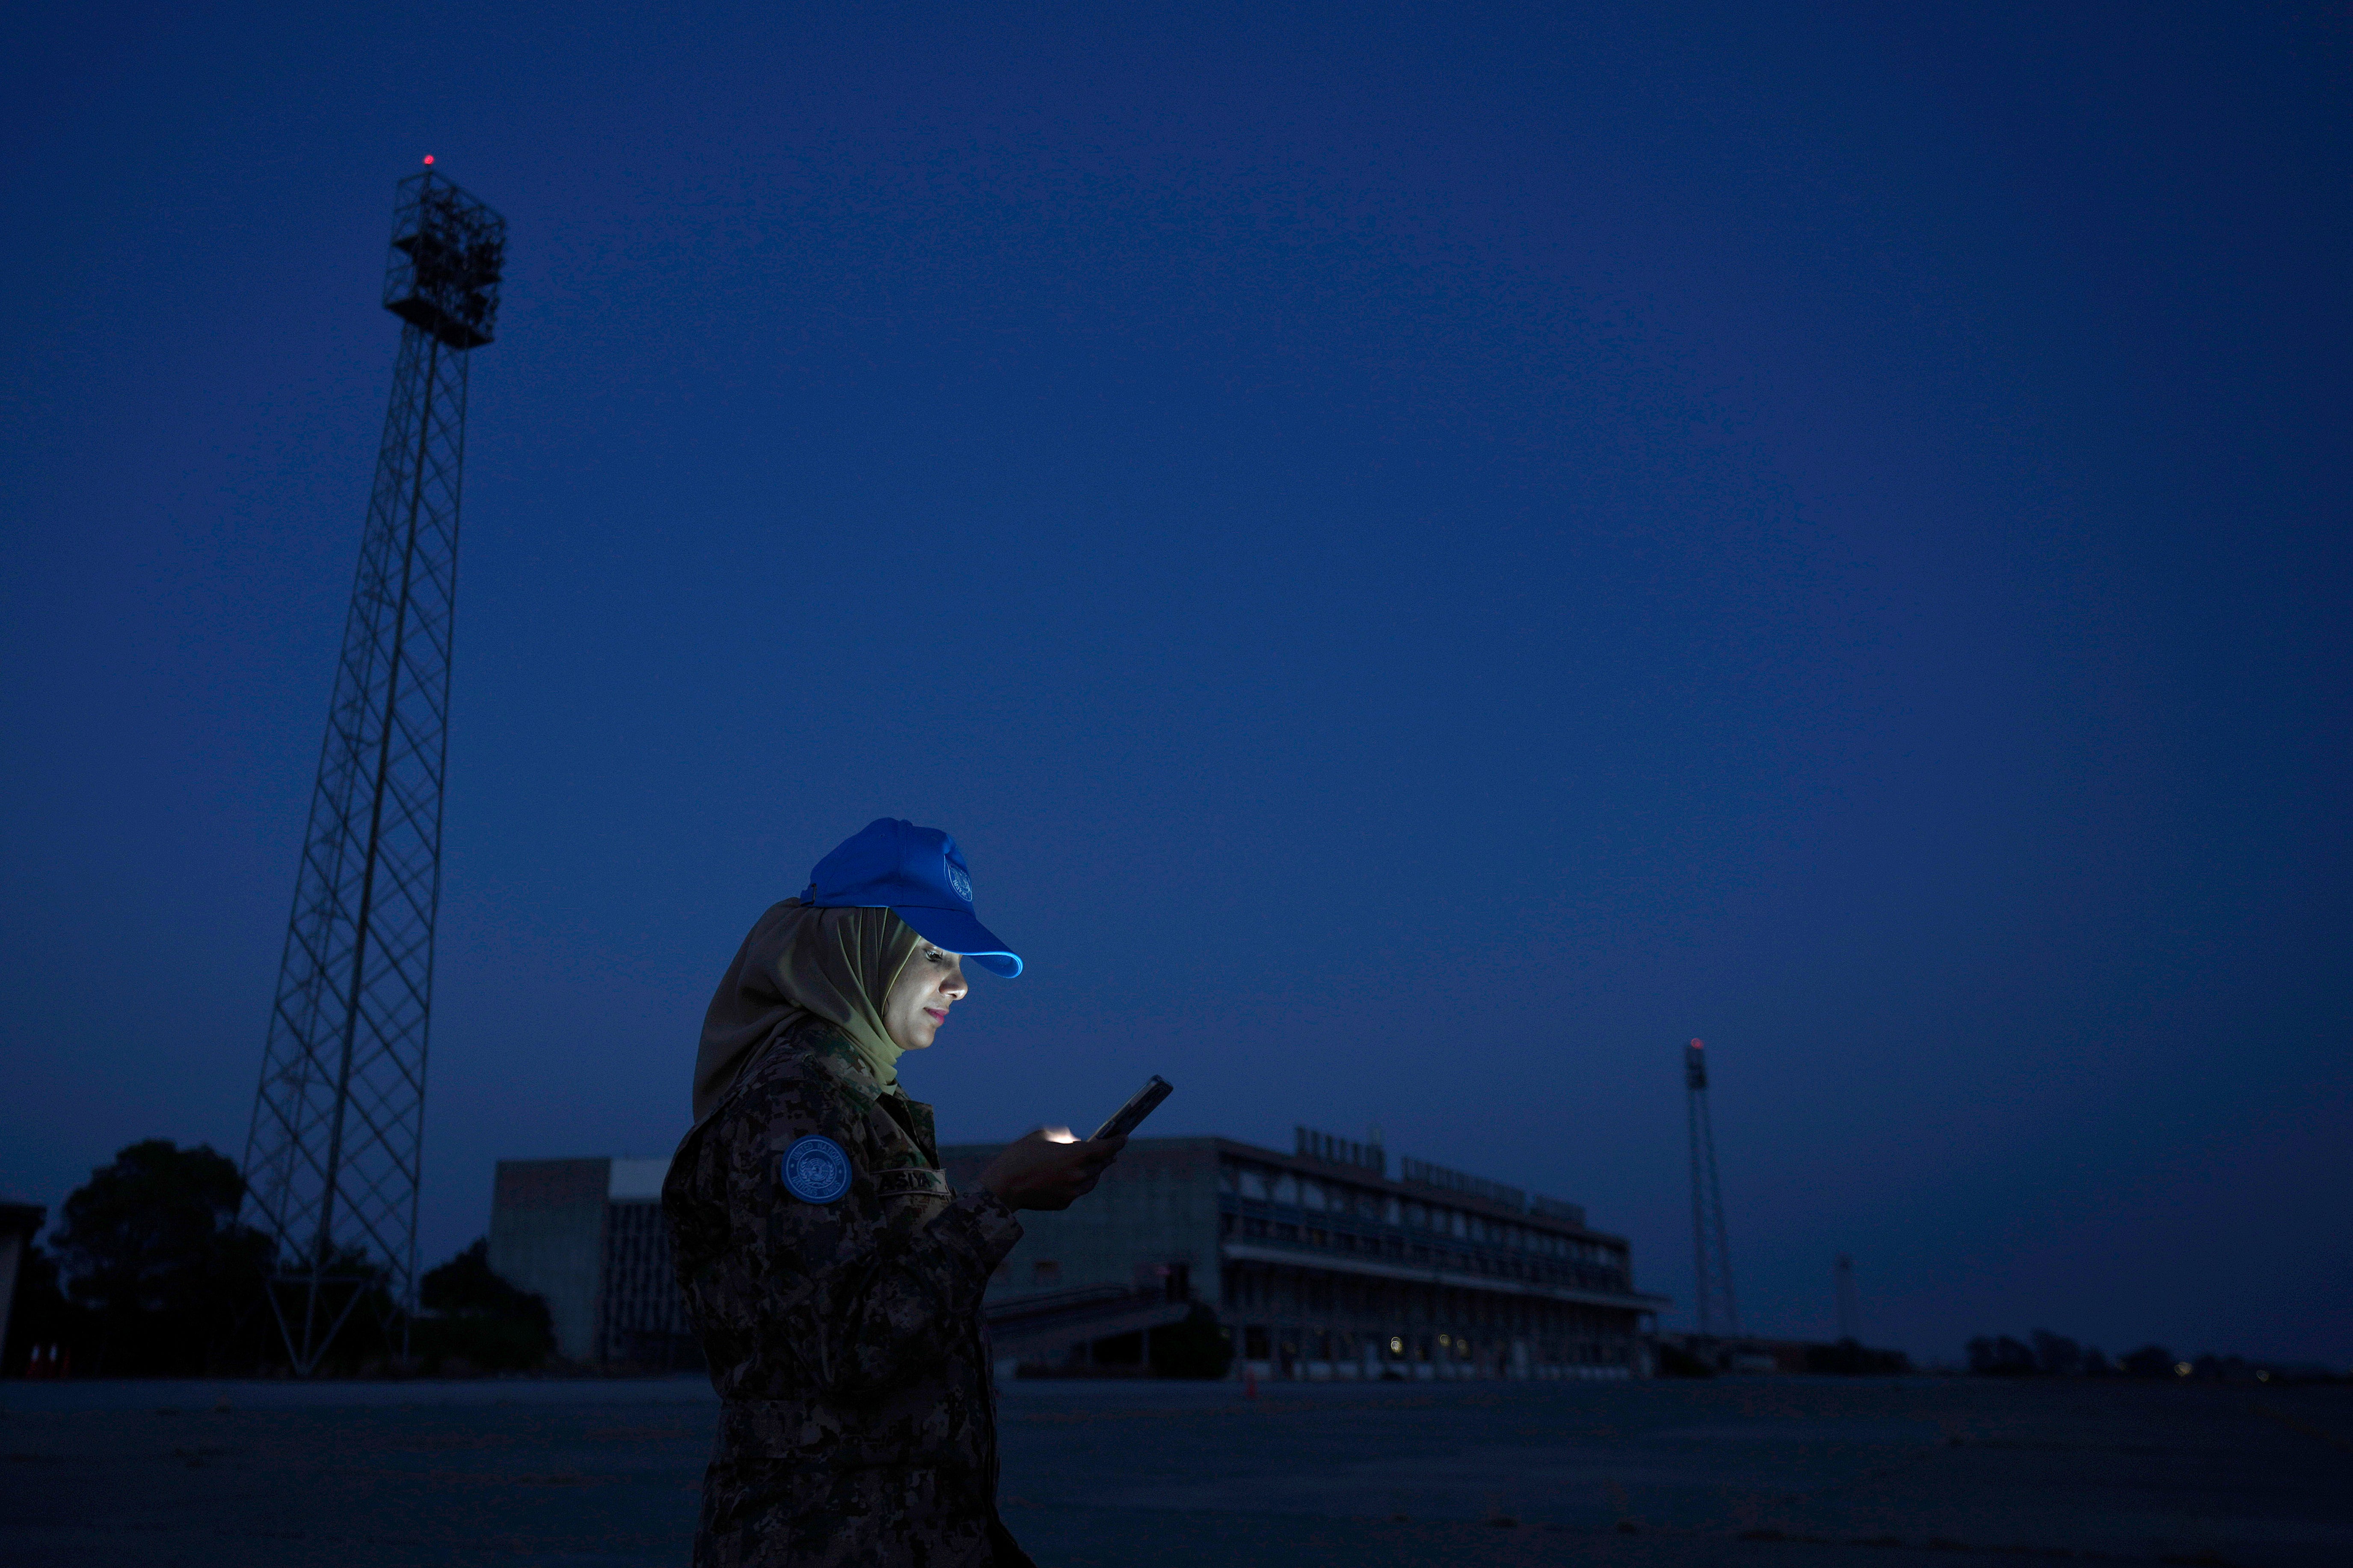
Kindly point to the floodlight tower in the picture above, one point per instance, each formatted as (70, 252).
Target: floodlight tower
(1712, 1254)
(332, 1160)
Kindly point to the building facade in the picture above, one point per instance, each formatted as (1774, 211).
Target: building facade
(1322, 1264)
(587, 1235)
(1319, 1263)
(19, 1224)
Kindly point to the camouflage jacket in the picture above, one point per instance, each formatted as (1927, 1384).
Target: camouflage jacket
(857, 1415)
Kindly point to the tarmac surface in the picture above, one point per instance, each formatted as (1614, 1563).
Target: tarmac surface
(1774, 1473)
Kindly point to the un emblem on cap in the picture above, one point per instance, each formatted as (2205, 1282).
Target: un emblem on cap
(959, 881)
(816, 1170)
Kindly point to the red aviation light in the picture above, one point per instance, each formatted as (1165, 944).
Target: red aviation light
(428, 160)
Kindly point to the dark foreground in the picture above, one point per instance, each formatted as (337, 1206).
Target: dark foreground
(1770, 1473)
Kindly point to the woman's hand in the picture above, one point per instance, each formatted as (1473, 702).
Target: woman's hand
(1048, 1169)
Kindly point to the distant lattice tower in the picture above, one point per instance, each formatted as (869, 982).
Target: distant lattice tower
(1712, 1253)
(333, 1162)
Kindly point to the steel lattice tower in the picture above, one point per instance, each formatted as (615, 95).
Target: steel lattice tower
(333, 1161)
(1711, 1253)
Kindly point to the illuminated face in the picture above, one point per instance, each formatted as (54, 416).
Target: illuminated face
(929, 985)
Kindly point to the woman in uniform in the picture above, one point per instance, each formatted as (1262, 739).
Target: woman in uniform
(832, 1274)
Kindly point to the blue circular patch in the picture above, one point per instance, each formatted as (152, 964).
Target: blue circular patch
(816, 1170)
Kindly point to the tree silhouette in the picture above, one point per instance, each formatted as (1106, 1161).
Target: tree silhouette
(472, 1315)
(152, 1250)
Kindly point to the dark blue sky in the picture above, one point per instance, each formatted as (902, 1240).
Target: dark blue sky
(1427, 553)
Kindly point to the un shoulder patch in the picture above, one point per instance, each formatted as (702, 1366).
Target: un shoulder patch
(815, 1169)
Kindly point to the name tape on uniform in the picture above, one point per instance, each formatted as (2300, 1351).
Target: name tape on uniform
(914, 1182)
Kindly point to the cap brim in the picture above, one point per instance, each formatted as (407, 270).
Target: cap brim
(958, 933)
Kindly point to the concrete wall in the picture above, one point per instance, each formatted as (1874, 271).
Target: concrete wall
(547, 1235)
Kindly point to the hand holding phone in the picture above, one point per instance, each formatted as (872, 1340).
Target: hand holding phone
(1049, 1170)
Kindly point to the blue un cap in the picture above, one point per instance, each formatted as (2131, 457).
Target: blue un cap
(919, 875)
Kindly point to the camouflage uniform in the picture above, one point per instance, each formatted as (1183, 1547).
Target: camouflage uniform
(858, 1422)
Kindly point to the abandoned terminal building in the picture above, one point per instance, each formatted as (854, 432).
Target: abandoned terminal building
(1318, 1263)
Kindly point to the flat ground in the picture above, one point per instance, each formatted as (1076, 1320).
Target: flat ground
(1769, 1473)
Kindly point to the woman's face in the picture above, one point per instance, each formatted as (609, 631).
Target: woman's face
(920, 998)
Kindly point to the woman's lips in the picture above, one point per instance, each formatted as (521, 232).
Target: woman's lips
(936, 1014)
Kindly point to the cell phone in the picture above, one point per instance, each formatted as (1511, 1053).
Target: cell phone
(1129, 1117)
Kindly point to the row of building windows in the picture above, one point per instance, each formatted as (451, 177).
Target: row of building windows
(641, 1320)
(1309, 1195)
(1423, 1252)
(1253, 1289)
(1310, 1322)
(1265, 1341)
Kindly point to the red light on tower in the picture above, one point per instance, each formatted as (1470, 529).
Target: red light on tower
(428, 160)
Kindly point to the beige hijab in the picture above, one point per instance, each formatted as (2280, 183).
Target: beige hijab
(837, 964)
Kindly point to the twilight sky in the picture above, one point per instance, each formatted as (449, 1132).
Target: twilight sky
(1427, 553)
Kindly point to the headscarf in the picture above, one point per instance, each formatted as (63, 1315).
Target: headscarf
(837, 965)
